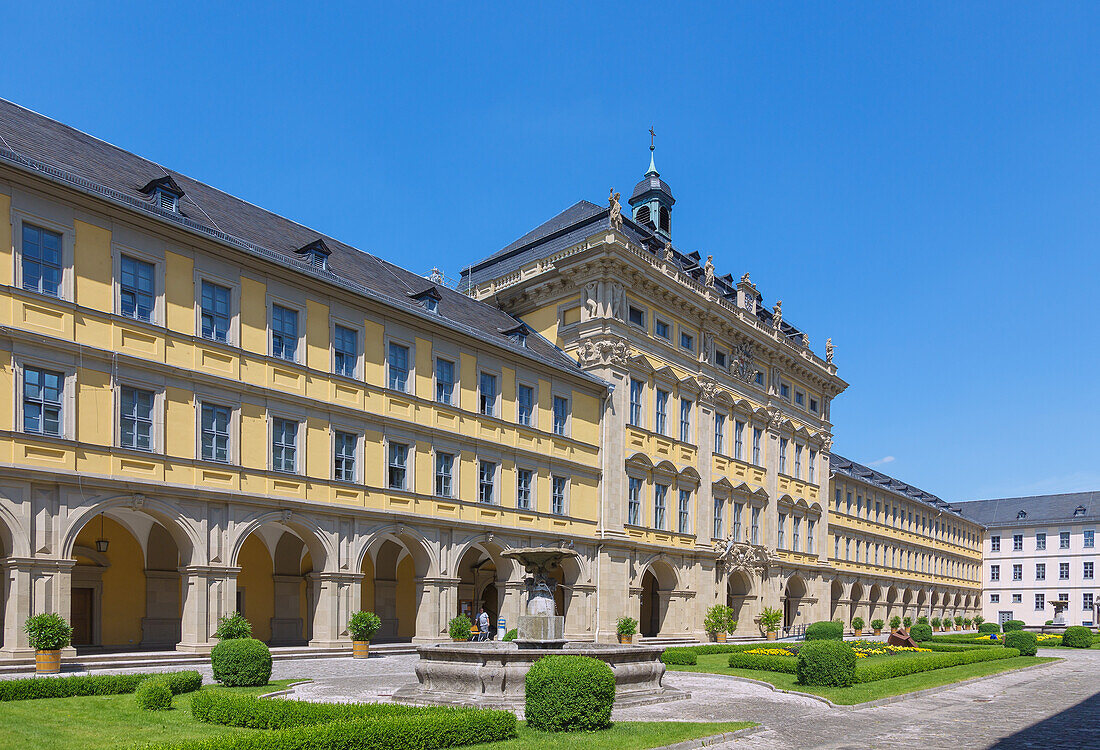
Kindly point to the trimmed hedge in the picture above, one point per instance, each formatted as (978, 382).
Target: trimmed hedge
(767, 662)
(1077, 636)
(989, 627)
(241, 662)
(1011, 625)
(153, 695)
(228, 709)
(98, 684)
(825, 630)
(569, 694)
(921, 632)
(1023, 641)
(888, 668)
(685, 656)
(826, 663)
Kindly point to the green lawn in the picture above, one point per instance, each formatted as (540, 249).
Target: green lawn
(115, 721)
(868, 691)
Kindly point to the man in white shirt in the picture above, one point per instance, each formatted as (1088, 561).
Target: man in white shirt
(483, 624)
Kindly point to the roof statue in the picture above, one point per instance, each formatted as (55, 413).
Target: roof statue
(668, 252)
(777, 314)
(616, 210)
(745, 278)
(829, 349)
(708, 269)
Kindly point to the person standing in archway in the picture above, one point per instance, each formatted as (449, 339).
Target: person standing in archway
(483, 624)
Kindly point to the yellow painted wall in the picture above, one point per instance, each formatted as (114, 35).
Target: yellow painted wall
(406, 599)
(93, 267)
(258, 586)
(6, 267)
(123, 602)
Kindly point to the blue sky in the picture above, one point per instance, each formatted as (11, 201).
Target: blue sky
(917, 181)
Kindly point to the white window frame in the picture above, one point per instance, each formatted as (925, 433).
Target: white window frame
(452, 478)
(564, 511)
(156, 317)
(299, 441)
(300, 346)
(156, 429)
(68, 396)
(410, 365)
(409, 467)
(495, 482)
(233, 404)
(495, 405)
(532, 501)
(357, 455)
(357, 368)
(68, 244)
(232, 334)
(533, 417)
(435, 379)
(567, 427)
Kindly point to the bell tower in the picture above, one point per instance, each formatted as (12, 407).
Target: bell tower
(652, 199)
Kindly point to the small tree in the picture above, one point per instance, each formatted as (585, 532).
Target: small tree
(895, 622)
(48, 631)
(907, 620)
(978, 620)
(363, 625)
(459, 628)
(958, 620)
(936, 622)
(966, 622)
(233, 626)
(626, 627)
(719, 619)
(922, 620)
(770, 619)
(877, 624)
(857, 623)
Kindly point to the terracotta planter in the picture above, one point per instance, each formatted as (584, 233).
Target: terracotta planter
(47, 662)
(772, 635)
(859, 632)
(360, 649)
(626, 639)
(720, 637)
(878, 631)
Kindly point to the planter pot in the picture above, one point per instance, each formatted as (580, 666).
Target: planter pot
(626, 639)
(859, 632)
(720, 637)
(771, 635)
(47, 662)
(878, 631)
(459, 640)
(360, 649)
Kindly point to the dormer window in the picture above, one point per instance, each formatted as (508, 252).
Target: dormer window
(1079, 511)
(316, 254)
(428, 299)
(165, 193)
(1021, 515)
(518, 334)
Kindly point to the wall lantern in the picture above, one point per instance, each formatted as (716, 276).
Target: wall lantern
(101, 543)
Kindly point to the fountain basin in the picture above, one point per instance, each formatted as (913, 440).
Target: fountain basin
(491, 674)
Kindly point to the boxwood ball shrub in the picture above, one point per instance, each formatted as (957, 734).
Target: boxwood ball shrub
(1027, 643)
(826, 663)
(241, 662)
(826, 630)
(989, 627)
(921, 632)
(153, 694)
(1077, 636)
(569, 694)
(1011, 625)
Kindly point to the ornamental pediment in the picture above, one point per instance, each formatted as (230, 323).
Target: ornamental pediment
(751, 558)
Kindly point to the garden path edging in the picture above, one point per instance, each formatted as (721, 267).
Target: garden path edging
(287, 690)
(713, 739)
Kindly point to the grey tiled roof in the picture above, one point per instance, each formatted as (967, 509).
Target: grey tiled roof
(1039, 508)
(651, 181)
(64, 154)
(849, 468)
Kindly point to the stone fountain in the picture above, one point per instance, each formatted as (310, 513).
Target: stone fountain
(490, 674)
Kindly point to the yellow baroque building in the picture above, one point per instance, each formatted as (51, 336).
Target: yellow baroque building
(216, 409)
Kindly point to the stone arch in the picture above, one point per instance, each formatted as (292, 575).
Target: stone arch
(109, 588)
(739, 594)
(794, 591)
(836, 598)
(184, 531)
(856, 604)
(419, 549)
(308, 530)
(657, 580)
(485, 577)
(874, 602)
(389, 586)
(14, 540)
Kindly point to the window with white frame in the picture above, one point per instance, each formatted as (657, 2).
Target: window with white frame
(284, 332)
(444, 380)
(1017, 572)
(1063, 540)
(796, 533)
(1089, 538)
(524, 485)
(637, 390)
(1017, 598)
(797, 461)
(757, 438)
(1063, 571)
(1017, 542)
(561, 415)
(214, 311)
(135, 418)
(1040, 602)
(397, 465)
(137, 288)
(486, 481)
(345, 350)
(1087, 571)
(43, 392)
(738, 511)
(487, 394)
(661, 328)
(214, 432)
(284, 445)
(1040, 571)
(994, 598)
(739, 440)
(444, 474)
(41, 260)
(994, 544)
(525, 405)
(660, 411)
(634, 501)
(660, 497)
(1087, 601)
(558, 488)
(684, 512)
(345, 449)
(398, 362)
(719, 432)
(687, 341)
(685, 420)
(716, 532)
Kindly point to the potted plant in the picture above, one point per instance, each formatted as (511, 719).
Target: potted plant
(922, 620)
(895, 623)
(362, 626)
(936, 623)
(719, 622)
(48, 633)
(769, 620)
(908, 622)
(459, 628)
(233, 625)
(966, 623)
(877, 625)
(857, 625)
(958, 622)
(626, 627)
(978, 620)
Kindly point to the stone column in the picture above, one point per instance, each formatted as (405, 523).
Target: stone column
(34, 586)
(334, 596)
(208, 593)
(161, 624)
(436, 604)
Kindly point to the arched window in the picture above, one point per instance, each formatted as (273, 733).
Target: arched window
(666, 219)
(642, 215)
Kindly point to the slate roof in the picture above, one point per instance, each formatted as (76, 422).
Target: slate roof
(63, 154)
(849, 468)
(651, 181)
(1039, 509)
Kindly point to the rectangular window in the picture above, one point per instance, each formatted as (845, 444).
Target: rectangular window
(561, 414)
(524, 478)
(810, 538)
(136, 290)
(796, 533)
(636, 316)
(716, 532)
(994, 572)
(719, 432)
(1089, 537)
(444, 380)
(995, 544)
(1063, 540)
(557, 495)
(525, 405)
(486, 481)
(755, 528)
(284, 332)
(1017, 572)
(135, 415)
(215, 433)
(661, 329)
(1040, 571)
(739, 440)
(781, 532)
(637, 388)
(215, 311)
(634, 501)
(397, 466)
(684, 512)
(1017, 598)
(660, 411)
(757, 437)
(738, 508)
(687, 341)
(720, 359)
(284, 445)
(1040, 602)
(346, 445)
(345, 350)
(797, 461)
(813, 405)
(444, 474)
(1087, 601)
(1017, 542)
(487, 394)
(800, 398)
(1087, 571)
(42, 390)
(399, 367)
(41, 260)
(660, 496)
(812, 473)
(1063, 571)
(994, 598)
(785, 391)
(782, 455)
(685, 420)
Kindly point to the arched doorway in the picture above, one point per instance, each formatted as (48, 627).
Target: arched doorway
(836, 594)
(389, 590)
(874, 610)
(738, 593)
(477, 588)
(854, 605)
(793, 593)
(273, 591)
(657, 584)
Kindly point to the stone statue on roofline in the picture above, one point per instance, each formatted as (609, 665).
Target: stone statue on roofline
(669, 256)
(616, 210)
(777, 315)
(829, 349)
(708, 271)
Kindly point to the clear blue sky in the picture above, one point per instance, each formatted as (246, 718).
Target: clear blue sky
(918, 181)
